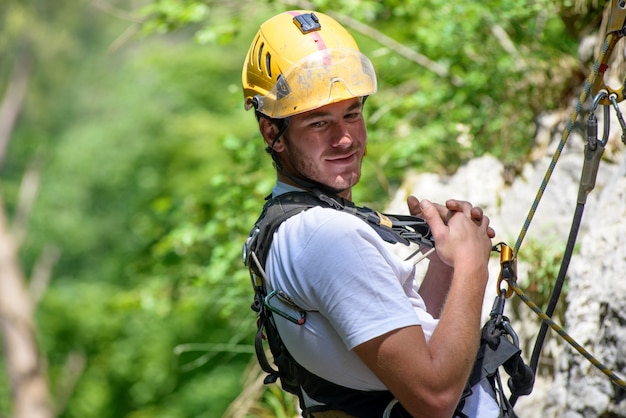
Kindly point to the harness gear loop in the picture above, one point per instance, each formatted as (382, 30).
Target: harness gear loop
(387, 412)
(499, 336)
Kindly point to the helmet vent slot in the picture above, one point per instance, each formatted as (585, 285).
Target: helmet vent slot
(260, 56)
(268, 64)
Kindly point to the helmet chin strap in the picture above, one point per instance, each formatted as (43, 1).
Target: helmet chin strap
(300, 180)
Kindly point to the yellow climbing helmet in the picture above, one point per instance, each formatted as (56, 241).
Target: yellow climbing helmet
(301, 60)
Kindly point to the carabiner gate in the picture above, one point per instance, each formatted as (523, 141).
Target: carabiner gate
(507, 270)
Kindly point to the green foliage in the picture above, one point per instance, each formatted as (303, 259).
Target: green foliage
(277, 403)
(137, 165)
(545, 262)
(498, 78)
(168, 15)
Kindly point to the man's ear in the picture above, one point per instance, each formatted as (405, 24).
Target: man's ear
(269, 130)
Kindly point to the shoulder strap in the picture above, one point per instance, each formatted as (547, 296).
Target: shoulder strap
(403, 229)
(275, 212)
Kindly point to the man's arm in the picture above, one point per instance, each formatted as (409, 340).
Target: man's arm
(428, 378)
(436, 282)
(436, 285)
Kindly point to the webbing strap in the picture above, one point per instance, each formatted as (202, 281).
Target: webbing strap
(404, 229)
(260, 353)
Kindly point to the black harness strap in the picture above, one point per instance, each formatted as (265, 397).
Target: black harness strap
(392, 228)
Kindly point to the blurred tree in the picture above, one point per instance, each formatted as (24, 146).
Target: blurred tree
(136, 143)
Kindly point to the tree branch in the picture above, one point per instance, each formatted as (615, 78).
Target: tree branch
(27, 377)
(42, 272)
(385, 40)
(13, 100)
(73, 368)
(27, 193)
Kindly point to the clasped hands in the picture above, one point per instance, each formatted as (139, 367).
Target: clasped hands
(460, 230)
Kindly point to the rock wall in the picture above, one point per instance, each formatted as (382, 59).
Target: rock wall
(568, 386)
(596, 314)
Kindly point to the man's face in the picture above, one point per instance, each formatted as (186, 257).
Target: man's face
(327, 144)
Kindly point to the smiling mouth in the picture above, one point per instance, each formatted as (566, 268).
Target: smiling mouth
(342, 158)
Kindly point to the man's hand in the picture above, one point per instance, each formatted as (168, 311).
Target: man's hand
(446, 211)
(451, 230)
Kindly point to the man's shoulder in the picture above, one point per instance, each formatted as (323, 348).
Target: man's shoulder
(317, 208)
(326, 222)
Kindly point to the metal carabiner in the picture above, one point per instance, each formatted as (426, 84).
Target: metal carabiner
(592, 121)
(285, 299)
(507, 270)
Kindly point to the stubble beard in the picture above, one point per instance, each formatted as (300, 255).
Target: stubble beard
(307, 168)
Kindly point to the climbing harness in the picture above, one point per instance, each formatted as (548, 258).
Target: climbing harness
(293, 377)
(499, 342)
(594, 148)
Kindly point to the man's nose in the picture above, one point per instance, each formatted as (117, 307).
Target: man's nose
(341, 136)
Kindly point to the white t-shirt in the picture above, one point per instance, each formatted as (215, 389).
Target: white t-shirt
(354, 288)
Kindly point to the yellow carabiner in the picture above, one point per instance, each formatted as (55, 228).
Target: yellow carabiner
(507, 270)
(617, 16)
(616, 28)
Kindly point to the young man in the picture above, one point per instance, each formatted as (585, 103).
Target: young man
(368, 328)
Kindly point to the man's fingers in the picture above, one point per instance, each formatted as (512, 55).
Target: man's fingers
(414, 206)
(431, 214)
(477, 213)
(446, 212)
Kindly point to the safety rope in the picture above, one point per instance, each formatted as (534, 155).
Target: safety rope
(604, 54)
(614, 33)
(559, 330)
